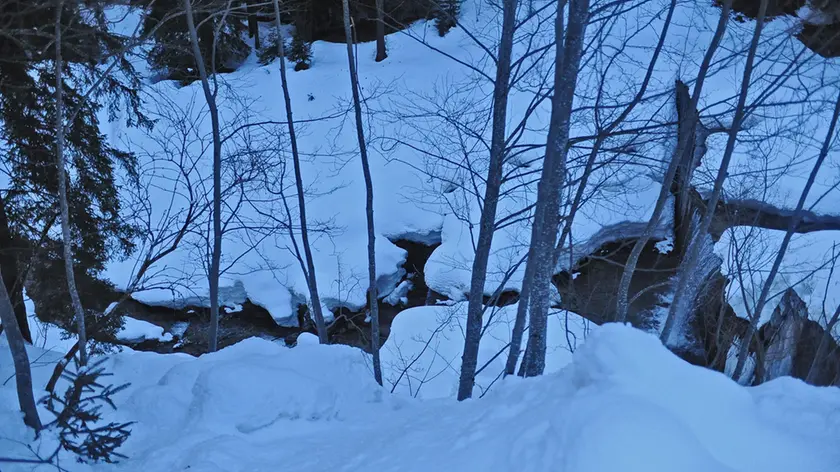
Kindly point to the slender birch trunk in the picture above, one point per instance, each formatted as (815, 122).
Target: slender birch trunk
(568, 52)
(66, 234)
(373, 297)
(487, 222)
(311, 280)
(23, 372)
(216, 253)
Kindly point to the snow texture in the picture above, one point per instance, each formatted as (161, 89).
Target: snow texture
(410, 200)
(134, 330)
(621, 403)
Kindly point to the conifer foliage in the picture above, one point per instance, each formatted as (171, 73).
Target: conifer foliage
(217, 22)
(446, 16)
(28, 114)
(78, 416)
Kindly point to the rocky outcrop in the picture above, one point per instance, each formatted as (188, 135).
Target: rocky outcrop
(782, 336)
(788, 343)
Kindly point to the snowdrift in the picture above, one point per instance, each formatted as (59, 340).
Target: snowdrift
(622, 403)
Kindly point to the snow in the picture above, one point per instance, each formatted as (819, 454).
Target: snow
(46, 336)
(622, 402)
(134, 330)
(422, 357)
(410, 203)
(434, 200)
(613, 398)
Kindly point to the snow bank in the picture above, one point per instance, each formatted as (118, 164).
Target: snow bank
(622, 403)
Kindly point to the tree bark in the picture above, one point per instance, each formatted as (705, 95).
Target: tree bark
(568, 52)
(622, 296)
(371, 249)
(216, 253)
(23, 373)
(487, 221)
(681, 187)
(66, 234)
(311, 280)
(381, 53)
(12, 278)
(744, 348)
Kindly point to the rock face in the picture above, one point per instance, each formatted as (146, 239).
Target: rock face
(590, 289)
(782, 336)
(788, 344)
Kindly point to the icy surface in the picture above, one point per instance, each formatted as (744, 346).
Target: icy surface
(621, 403)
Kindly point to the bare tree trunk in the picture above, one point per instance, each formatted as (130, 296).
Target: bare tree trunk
(216, 253)
(311, 280)
(253, 23)
(66, 235)
(622, 296)
(12, 278)
(23, 373)
(822, 347)
(521, 314)
(744, 348)
(519, 323)
(371, 249)
(690, 260)
(487, 222)
(381, 53)
(568, 51)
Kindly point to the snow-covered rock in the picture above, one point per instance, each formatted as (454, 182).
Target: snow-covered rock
(135, 331)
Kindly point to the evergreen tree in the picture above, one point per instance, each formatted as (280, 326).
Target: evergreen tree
(446, 16)
(27, 112)
(171, 54)
(299, 52)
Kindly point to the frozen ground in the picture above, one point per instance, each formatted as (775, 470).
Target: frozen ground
(622, 402)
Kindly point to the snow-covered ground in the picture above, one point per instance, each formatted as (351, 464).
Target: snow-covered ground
(413, 199)
(418, 157)
(422, 356)
(613, 400)
(621, 402)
